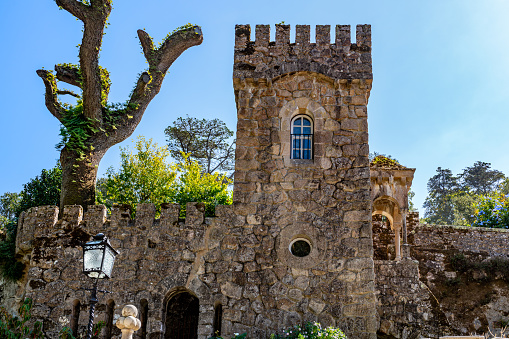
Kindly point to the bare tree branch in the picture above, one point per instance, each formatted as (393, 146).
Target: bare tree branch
(63, 92)
(175, 45)
(69, 74)
(149, 83)
(146, 43)
(51, 93)
(76, 8)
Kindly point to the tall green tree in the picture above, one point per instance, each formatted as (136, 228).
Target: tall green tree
(144, 176)
(195, 185)
(93, 125)
(42, 190)
(204, 140)
(480, 178)
(439, 205)
(9, 205)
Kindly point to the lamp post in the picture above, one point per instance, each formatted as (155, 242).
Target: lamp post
(98, 260)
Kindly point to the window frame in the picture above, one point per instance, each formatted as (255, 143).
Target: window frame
(311, 138)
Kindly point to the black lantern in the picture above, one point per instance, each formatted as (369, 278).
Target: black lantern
(98, 257)
(98, 260)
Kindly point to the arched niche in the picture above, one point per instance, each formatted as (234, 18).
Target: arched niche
(181, 310)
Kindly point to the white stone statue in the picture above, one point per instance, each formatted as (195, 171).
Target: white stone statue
(128, 322)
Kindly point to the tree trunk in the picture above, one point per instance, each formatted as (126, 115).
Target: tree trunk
(78, 178)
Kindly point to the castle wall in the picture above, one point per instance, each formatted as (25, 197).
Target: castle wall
(325, 199)
(430, 295)
(487, 241)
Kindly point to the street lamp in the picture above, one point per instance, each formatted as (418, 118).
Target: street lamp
(98, 260)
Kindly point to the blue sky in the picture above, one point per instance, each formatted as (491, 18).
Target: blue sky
(440, 94)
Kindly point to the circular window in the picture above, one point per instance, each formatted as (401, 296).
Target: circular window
(300, 247)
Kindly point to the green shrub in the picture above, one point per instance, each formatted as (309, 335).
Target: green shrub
(14, 327)
(310, 331)
(10, 268)
(235, 336)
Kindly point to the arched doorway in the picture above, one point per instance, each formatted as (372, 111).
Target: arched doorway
(181, 315)
(387, 223)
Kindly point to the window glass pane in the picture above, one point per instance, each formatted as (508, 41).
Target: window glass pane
(306, 130)
(306, 122)
(297, 122)
(306, 154)
(306, 144)
(297, 130)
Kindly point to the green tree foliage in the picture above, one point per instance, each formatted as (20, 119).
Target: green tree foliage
(9, 205)
(205, 140)
(20, 327)
(310, 330)
(11, 269)
(438, 204)
(492, 211)
(411, 206)
(463, 203)
(195, 185)
(480, 178)
(42, 190)
(144, 177)
(467, 199)
(14, 327)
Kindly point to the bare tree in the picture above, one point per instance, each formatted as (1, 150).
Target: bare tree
(92, 126)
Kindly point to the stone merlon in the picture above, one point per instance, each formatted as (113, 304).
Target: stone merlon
(263, 58)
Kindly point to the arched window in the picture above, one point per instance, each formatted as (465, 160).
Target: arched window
(302, 137)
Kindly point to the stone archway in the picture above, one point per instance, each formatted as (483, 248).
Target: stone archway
(181, 311)
(387, 225)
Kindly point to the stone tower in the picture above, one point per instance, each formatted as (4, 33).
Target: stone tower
(302, 176)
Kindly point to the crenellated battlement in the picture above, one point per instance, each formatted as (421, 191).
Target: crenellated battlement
(263, 58)
(43, 221)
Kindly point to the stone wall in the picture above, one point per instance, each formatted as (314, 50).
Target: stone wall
(405, 306)
(325, 199)
(487, 241)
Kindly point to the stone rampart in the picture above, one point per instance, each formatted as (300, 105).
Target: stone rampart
(231, 261)
(267, 59)
(488, 241)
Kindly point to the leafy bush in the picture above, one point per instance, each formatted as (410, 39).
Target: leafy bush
(492, 211)
(11, 268)
(195, 185)
(235, 336)
(145, 177)
(311, 331)
(14, 327)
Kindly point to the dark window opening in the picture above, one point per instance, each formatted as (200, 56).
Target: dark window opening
(110, 310)
(75, 317)
(300, 248)
(218, 319)
(143, 318)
